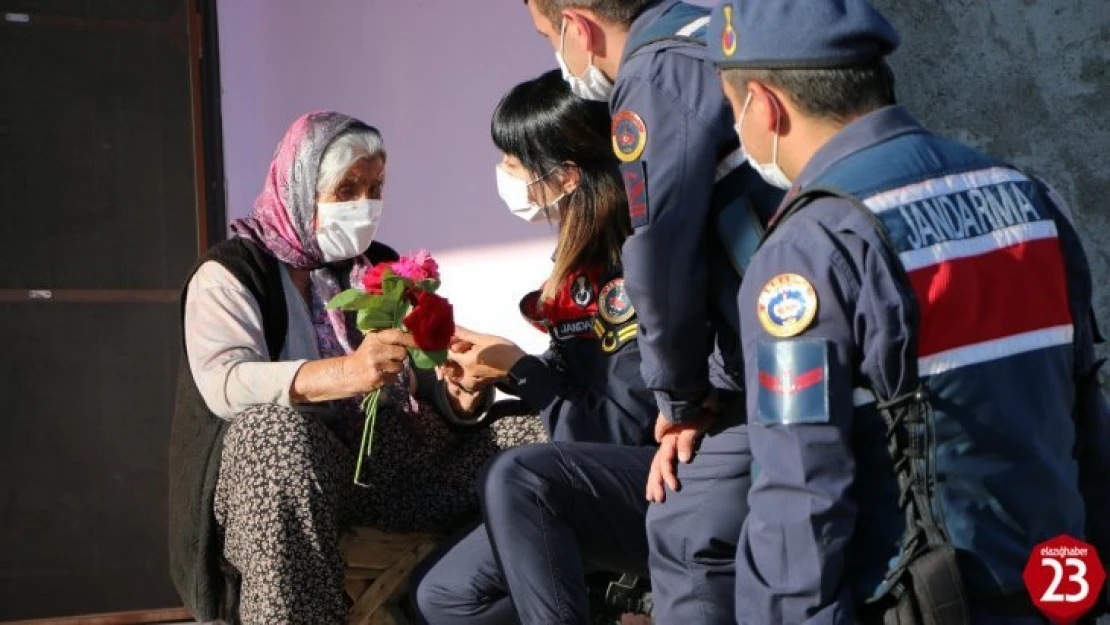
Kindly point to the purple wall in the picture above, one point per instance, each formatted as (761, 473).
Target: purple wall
(428, 74)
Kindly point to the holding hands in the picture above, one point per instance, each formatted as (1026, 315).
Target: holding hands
(476, 361)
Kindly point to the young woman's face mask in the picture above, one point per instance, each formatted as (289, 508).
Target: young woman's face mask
(520, 193)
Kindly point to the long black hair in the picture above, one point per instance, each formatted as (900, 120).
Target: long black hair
(549, 129)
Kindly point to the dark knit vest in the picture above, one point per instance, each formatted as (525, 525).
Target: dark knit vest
(196, 436)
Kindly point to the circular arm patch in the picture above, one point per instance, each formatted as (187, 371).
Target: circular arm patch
(629, 136)
(613, 304)
(787, 305)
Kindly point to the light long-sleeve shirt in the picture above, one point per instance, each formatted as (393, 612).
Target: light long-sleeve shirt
(226, 345)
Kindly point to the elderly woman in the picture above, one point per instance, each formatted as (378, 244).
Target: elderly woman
(267, 422)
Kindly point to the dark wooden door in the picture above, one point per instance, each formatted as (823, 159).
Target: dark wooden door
(102, 211)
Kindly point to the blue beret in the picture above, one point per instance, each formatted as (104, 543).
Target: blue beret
(798, 34)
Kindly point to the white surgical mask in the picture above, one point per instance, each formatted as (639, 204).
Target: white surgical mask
(514, 192)
(593, 85)
(345, 229)
(770, 172)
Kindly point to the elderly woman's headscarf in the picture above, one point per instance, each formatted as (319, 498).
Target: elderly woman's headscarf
(282, 219)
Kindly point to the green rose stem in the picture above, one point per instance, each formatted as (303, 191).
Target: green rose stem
(370, 407)
(377, 312)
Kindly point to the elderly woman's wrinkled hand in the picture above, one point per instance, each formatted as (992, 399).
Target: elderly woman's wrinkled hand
(381, 357)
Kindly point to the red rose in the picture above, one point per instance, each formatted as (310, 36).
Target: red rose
(372, 279)
(431, 322)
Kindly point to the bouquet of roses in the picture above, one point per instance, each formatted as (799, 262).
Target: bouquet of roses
(401, 295)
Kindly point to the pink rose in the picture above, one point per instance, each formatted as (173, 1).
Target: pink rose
(427, 263)
(372, 279)
(417, 267)
(406, 268)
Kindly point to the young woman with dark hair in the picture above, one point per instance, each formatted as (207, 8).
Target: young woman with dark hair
(558, 165)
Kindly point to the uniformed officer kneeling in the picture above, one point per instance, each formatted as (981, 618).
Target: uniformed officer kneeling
(917, 343)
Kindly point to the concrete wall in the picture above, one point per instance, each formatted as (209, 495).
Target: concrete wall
(1026, 81)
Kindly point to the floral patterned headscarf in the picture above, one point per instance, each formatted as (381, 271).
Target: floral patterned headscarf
(283, 216)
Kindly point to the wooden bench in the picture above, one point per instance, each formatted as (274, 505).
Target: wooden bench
(378, 568)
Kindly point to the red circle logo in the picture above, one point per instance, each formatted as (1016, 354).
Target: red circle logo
(1064, 577)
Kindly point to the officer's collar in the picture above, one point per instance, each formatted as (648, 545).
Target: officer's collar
(642, 21)
(870, 129)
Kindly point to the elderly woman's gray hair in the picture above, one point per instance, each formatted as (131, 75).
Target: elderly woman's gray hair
(347, 148)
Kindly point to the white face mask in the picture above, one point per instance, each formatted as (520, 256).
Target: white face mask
(345, 229)
(770, 172)
(514, 192)
(593, 85)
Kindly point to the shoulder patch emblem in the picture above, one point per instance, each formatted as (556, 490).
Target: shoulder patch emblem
(613, 304)
(793, 382)
(629, 136)
(787, 305)
(582, 291)
(728, 37)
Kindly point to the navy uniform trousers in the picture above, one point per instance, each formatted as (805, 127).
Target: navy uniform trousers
(557, 511)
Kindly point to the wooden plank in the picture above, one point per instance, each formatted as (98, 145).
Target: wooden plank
(356, 587)
(115, 618)
(387, 586)
(144, 71)
(195, 29)
(360, 573)
(89, 296)
(383, 617)
(372, 535)
(368, 548)
(26, 19)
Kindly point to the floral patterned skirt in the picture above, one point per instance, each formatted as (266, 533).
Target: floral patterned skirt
(285, 492)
